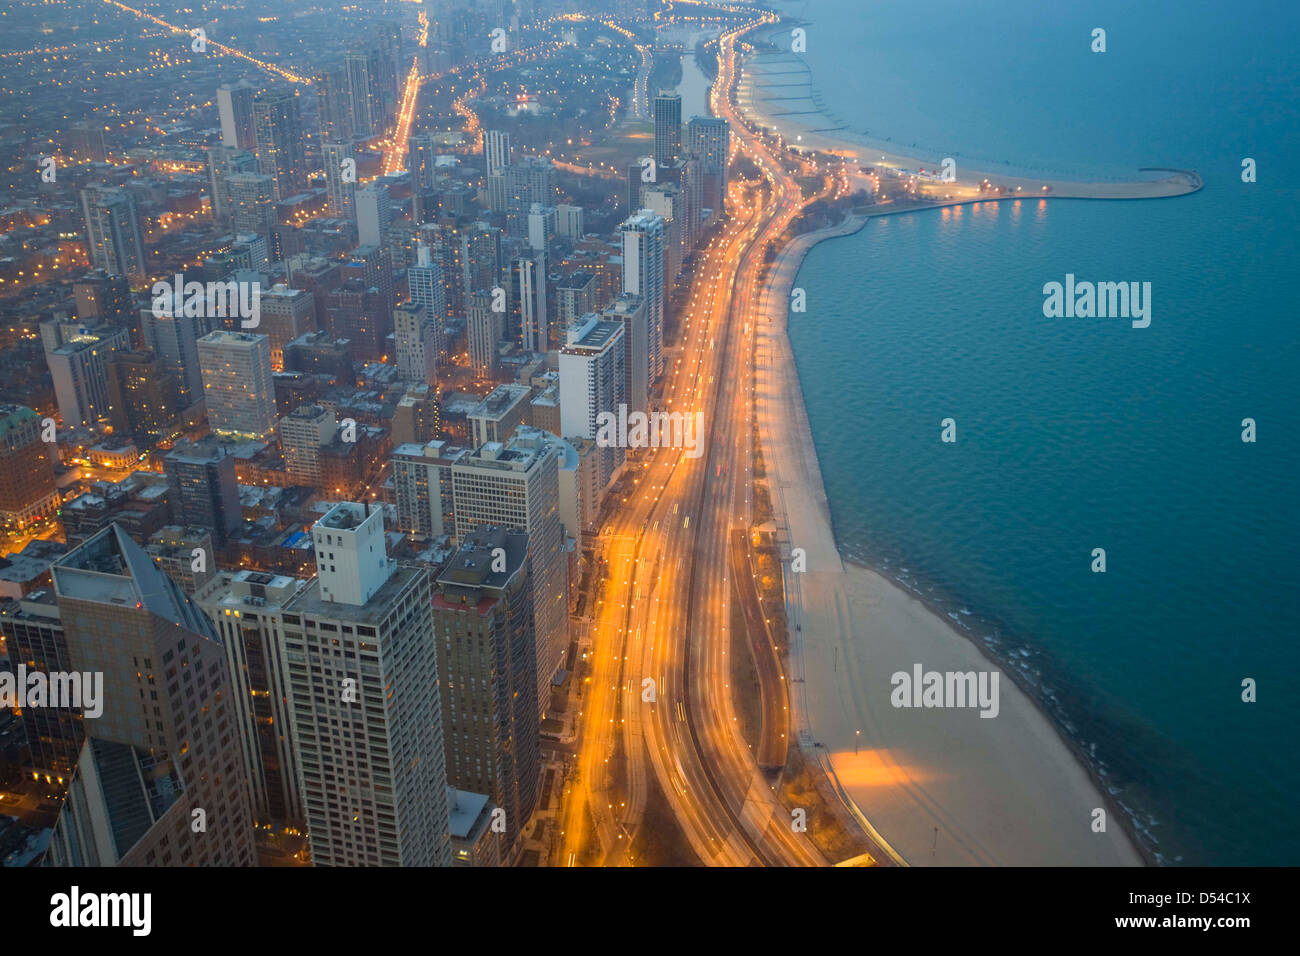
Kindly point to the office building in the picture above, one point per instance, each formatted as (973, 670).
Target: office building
(161, 779)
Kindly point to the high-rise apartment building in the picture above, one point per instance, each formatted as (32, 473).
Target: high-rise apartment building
(143, 396)
(303, 433)
(374, 211)
(422, 487)
(483, 622)
(592, 383)
(246, 608)
(340, 178)
(643, 275)
(114, 241)
(27, 491)
(365, 701)
(235, 107)
(418, 342)
(710, 139)
(237, 383)
(496, 151)
(485, 328)
(516, 485)
(277, 120)
(668, 127)
(629, 309)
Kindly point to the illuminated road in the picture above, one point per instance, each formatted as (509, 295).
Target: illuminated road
(220, 47)
(666, 611)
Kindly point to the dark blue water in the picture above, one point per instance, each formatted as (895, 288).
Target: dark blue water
(1075, 434)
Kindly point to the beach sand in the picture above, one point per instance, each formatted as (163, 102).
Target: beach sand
(936, 786)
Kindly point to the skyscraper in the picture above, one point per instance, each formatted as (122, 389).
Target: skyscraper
(422, 487)
(235, 106)
(161, 779)
(333, 104)
(710, 139)
(113, 238)
(203, 489)
(643, 275)
(668, 127)
(516, 485)
(237, 384)
(374, 210)
(247, 609)
(365, 699)
(277, 120)
(497, 153)
(485, 327)
(483, 622)
(339, 184)
(27, 491)
(528, 298)
(592, 383)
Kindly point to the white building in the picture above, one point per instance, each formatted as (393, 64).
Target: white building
(374, 210)
(366, 711)
(592, 383)
(643, 275)
(629, 310)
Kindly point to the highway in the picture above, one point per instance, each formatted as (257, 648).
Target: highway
(665, 615)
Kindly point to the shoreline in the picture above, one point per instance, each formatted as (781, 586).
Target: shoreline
(810, 134)
(903, 786)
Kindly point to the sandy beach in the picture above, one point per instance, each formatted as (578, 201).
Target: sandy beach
(935, 786)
